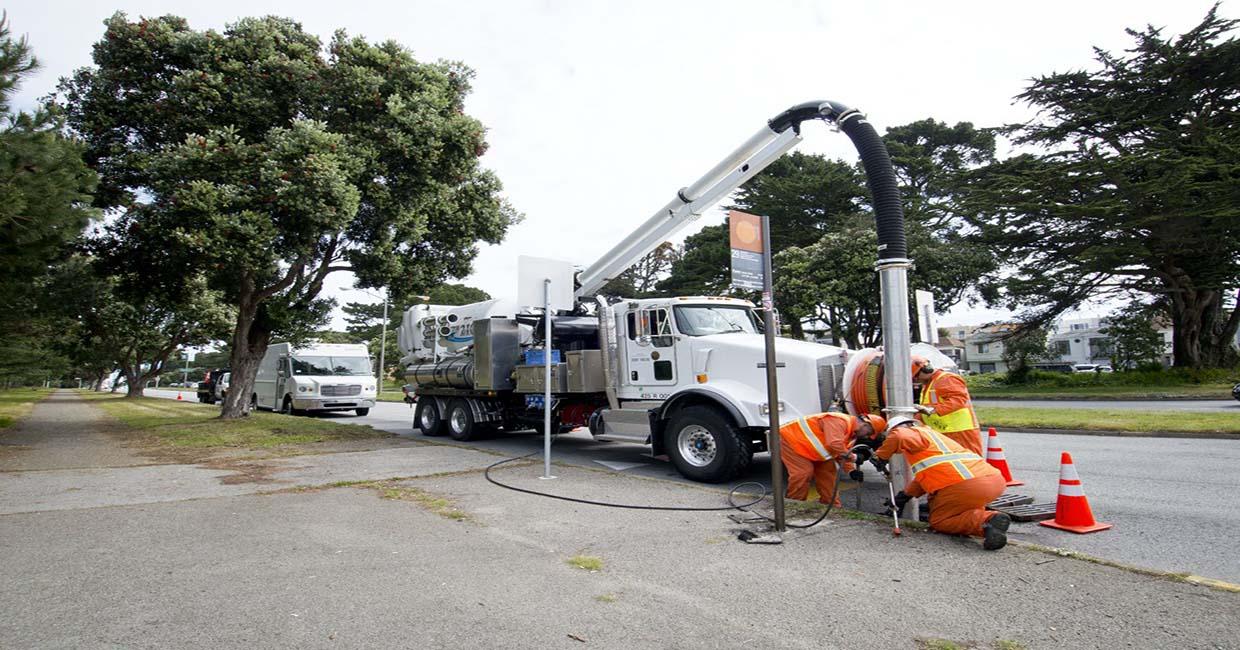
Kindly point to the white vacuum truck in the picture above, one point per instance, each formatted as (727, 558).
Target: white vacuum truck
(684, 375)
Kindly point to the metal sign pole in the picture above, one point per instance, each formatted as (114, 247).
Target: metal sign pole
(772, 390)
(547, 379)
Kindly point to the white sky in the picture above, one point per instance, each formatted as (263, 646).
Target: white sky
(599, 111)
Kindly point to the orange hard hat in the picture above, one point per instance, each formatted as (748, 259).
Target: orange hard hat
(877, 421)
(920, 363)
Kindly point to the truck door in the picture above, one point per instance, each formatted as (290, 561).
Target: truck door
(650, 348)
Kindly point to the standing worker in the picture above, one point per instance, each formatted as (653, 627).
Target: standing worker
(810, 447)
(946, 406)
(959, 482)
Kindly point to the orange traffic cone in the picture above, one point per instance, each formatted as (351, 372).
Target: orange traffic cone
(1072, 511)
(178, 396)
(994, 456)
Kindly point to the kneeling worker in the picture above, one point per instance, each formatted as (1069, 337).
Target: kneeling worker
(810, 447)
(959, 482)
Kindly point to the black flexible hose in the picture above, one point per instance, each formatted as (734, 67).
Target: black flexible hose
(881, 178)
(731, 493)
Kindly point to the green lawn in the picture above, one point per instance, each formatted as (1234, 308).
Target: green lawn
(17, 403)
(193, 425)
(1108, 419)
(1187, 391)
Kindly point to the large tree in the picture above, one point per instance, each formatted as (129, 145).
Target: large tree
(268, 163)
(1133, 188)
(44, 205)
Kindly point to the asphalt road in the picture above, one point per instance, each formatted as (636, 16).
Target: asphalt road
(1221, 405)
(1166, 497)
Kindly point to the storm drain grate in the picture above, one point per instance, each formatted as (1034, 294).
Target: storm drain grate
(1009, 500)
(1028, 512)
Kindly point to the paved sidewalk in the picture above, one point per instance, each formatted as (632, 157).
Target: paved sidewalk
(344, 567)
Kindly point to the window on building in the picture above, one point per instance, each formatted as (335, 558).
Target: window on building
(1100, 348)
(983, 348)
(1079, 326)
(1059, 348)
(985, 367)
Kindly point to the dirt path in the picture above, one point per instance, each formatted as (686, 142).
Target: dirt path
(65, 432)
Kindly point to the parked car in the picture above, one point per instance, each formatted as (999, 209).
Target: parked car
(207, 392)
(1091, 367)
(221, 386)
(1235, 392)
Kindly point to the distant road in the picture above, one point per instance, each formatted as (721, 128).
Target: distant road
(1225, 405)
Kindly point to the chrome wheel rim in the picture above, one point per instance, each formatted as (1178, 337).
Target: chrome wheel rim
(697, 445)
(458, 420)
(428, 418)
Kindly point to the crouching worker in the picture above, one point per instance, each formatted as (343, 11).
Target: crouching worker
(959, 482)
(810, 447)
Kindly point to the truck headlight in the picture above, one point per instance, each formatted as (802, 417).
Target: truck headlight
(765, 408)
(303, 389)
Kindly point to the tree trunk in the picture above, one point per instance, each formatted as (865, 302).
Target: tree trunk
(1203, 329)
(134, 384)
(249, 344)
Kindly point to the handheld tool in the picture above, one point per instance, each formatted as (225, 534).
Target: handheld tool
(895, 513)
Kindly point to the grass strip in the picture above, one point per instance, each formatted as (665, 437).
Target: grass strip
(1102, 419)
(198, 425)
(17, 403)
(1208, 391)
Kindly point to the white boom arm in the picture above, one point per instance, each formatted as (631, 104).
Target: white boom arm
(756, 154)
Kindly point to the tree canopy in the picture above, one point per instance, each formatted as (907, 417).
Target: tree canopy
(1133, 187)
(267, 162)
(44, 206)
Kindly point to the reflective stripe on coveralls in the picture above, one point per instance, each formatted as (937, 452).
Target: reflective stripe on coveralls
(944, 462)
(808, 441)
(962, 419)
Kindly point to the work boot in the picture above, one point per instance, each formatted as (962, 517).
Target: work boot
(995, 532)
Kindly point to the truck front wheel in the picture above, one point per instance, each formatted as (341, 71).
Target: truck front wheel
(704, 445)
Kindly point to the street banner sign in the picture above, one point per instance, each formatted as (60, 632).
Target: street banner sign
(745, 232)
(927, 323)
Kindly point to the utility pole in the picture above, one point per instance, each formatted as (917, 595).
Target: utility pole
(383, 341)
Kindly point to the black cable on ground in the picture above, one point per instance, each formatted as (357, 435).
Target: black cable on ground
(839, 468)
(731, 493)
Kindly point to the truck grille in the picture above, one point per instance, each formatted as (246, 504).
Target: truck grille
(342, 390)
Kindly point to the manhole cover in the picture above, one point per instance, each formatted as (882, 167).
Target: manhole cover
(1028, 511)
(1008, 500)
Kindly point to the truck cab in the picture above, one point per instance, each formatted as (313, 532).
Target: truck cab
(316, 377)
(691, 381)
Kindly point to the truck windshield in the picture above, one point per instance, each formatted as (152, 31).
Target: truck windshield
(331, 366)
(703, 320)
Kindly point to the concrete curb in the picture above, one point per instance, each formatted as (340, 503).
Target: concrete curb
(1203, 435)
(1066, 397)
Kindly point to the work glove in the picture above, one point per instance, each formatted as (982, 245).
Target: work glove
(857, 475)
(880, 465)
(924, 410)
(902, 500)
(862, 453)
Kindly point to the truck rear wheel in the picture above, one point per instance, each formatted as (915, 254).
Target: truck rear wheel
(426, 417)
(461, 425)
(705, 445)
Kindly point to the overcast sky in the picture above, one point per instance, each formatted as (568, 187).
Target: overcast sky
(599, 111)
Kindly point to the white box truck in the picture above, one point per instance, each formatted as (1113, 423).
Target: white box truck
(316, 377)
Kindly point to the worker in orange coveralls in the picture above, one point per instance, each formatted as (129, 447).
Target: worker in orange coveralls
(945, 405)
(810, 447)
(959, 482)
